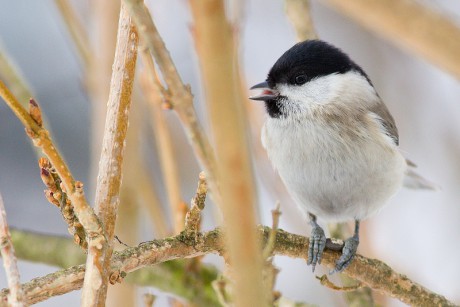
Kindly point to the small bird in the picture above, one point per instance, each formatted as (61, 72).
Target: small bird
(332, 140)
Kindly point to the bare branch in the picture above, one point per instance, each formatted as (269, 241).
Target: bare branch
(76, 29)
(16, 295)
(156, 98)
(193, 217)
(371, 272)
(110, 164)
(181, 97)
(73, 189)
(217, 51)
(298, 12)
(409, 25)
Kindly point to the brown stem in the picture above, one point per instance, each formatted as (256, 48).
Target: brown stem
(298, 12)
(73, 189)
(409, 25)
(181, 97)
(16, 295)
(371, 272)
(110, 164)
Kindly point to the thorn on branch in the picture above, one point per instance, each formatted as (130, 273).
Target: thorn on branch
(326, 282)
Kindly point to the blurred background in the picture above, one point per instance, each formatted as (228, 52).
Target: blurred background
(415, 233)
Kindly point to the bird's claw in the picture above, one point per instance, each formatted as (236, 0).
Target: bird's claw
(316, 246)
(348, 253)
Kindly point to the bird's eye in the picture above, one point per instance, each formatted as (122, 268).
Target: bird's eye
(300, 79)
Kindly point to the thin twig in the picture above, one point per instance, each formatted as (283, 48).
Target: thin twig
(193, 217)
(268, 250)
(156, 98)
(76, 29)
(56, 196)
(110, 165)
(73, 189)
(326, 282)
(16, 295)
(181, 97)
(371, 272)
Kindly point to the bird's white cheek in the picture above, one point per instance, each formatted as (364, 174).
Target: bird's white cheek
(313, 92)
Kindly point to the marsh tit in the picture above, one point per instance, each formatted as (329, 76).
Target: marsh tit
(332, 140)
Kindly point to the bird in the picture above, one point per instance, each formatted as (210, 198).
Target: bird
(332, 140)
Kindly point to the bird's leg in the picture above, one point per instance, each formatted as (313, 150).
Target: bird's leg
(348, 252)
(317, 243)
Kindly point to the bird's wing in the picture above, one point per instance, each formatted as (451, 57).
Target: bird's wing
(387, 120)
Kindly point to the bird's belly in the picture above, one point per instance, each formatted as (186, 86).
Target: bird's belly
(332, 180)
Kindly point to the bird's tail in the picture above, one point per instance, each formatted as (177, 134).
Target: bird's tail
(412, 180)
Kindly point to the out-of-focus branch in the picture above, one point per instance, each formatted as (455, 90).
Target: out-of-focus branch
(73, 189)
(298, 12)
(12, 77)
(110, 164)
(76, 29)
(217, 52)
(371, 272)
(153, 91)
(172, 276)
(180, 95)
(16, 295)
(408, 24)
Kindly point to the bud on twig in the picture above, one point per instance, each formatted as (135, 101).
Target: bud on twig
(35, 112)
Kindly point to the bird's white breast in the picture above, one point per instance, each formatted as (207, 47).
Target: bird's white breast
(337, 174)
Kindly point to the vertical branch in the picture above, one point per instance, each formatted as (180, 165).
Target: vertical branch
(16, 296)
(298, 12)
(218, 56)
(110, 164)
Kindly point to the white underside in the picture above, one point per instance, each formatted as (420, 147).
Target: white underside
(332, 180)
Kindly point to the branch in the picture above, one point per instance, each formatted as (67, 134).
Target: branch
(217, 52)
(180, 96)
(110, 164)
(172, 276)
(298, 12)
(409, 25)
(16, 295)
(76, 30)
(371, 272)
(73, 189)
(153, 91)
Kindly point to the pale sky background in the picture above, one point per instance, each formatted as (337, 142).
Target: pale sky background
(416, 233)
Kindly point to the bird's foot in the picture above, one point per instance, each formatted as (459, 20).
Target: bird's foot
(316, 246)
(348, 253)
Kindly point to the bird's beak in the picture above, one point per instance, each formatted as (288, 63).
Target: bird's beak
(267, 92)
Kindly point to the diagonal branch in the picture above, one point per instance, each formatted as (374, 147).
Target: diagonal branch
(74, 189)
(181, 97)
(371, 272)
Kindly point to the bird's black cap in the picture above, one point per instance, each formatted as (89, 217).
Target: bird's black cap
(313, 59)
